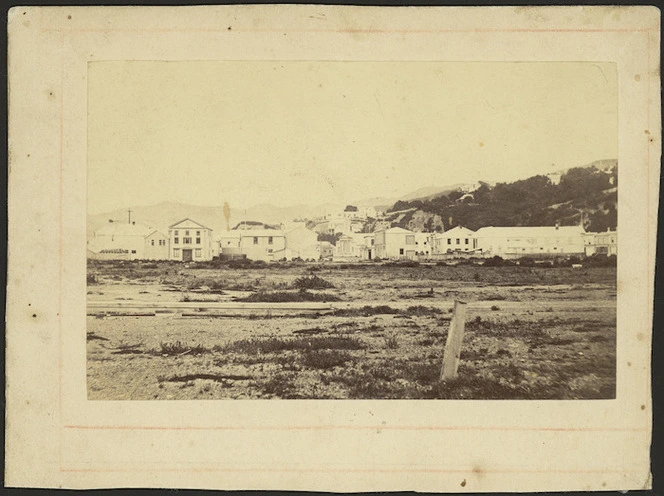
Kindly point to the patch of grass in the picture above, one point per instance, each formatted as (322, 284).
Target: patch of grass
(179, 348)
(313, 282)
(91, 336)
(281, 385)
(495, 308)
(209, 377)
(288, 297)
(273, 345)
(494, 297)
(92, 279)
(365, 311)
(309, 331)
(391, 342)
(422, 311)
(324, 359)
(428, 341)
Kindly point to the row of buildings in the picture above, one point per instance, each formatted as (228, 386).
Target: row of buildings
(188, 241)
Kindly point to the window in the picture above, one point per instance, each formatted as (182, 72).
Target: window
(133, 251)
(400, 251)
(449, 241)
(372, 242)
(198, 252)
(186, 233)
(176, 252)
(176, 241)
(198, 241)
(198, 233)
(255, 240)
(269, 241)
(458, 241)
(152, 242)
(177, 233)
(186, 241)
(417, 242)
(466, 240)
(162, 242)
(269, 250)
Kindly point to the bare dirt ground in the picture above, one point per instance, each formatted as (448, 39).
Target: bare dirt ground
(531, 333)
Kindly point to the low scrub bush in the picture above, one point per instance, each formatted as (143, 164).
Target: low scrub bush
(313, 282)
(365, 311)
(180, 348)
(324, 359)
(287, 297)
(273, 345)
(403, 263)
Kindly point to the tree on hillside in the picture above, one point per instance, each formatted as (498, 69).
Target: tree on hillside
(331, 238)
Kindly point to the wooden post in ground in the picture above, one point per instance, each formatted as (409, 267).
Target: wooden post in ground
(454, 341)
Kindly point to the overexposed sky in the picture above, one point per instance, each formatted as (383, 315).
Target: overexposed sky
(287, 133)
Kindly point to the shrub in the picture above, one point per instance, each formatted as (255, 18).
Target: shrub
(255, 346)
(495, 261)
(495, 307)
(324, 359)
(403, 263)
(92, 279)
(313, 282)
(180, 348)
(287, 297)
(391, 342)
(365, 311)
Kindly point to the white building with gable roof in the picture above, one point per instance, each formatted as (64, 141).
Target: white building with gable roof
(190, 241)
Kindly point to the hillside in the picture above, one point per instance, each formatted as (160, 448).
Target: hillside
(585, 194)
(164, 214)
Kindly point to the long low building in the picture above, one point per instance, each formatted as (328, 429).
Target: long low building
(125, 241)
(534, 242)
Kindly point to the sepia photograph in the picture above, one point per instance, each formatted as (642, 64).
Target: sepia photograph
(332, 248)
(351, 230)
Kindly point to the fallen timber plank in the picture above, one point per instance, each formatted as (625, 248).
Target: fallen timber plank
(199, 308)
(212, 304)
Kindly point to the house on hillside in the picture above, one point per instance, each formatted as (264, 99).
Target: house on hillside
(457, 239)
(395, 243)
(262, 244)
(119, 241)
(156, 246)
(190, 241)
(534, 242)
(605, 243)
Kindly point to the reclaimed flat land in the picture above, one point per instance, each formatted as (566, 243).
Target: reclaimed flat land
(531, 332)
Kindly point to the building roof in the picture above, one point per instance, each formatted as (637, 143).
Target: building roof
(248, 233)
(229, 234)
(456, 231)
(397, 230)
(120, 229)
(190, 220)
(157, 231)
(530, 231)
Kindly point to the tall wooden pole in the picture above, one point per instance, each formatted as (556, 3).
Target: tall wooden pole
(454, 340)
